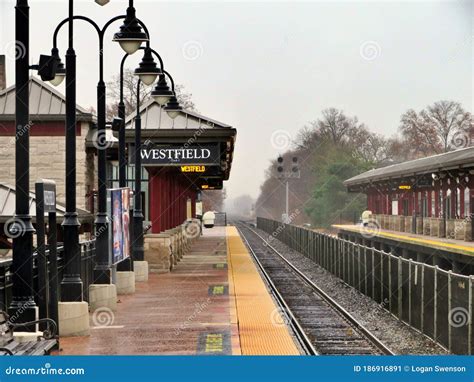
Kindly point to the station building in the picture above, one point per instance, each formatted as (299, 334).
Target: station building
(181, 157)
(200, 153)
(431, 196)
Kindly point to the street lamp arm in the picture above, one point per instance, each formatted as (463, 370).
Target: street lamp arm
(162, 65)
(112, 20)
(124, 58)
(171, 79)
(121, 75)
(78, 17)
(108, 23)
(138, 98)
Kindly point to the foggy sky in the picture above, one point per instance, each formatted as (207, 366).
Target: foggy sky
(269, 68)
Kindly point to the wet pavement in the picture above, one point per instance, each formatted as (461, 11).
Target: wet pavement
(186, 311)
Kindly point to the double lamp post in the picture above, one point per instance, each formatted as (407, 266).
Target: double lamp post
(130, 37)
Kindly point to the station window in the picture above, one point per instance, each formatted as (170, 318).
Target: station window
(406, 212)
(424, 204)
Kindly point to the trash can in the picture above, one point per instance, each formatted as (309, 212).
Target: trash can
(208, 219)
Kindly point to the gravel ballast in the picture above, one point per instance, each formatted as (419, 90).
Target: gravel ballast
(398, 336)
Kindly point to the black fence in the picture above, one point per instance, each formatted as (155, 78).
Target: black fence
(221, 219)
(87, 268)
(436, 302)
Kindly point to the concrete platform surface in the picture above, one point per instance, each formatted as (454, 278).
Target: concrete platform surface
(192, 310)
(448, 245)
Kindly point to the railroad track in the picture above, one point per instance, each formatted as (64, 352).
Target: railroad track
(321, 325)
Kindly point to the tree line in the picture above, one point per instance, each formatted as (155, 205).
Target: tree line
(336, 147)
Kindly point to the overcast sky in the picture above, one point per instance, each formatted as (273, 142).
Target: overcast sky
(269, 68)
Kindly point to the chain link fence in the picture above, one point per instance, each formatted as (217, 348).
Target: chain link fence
(436, 302)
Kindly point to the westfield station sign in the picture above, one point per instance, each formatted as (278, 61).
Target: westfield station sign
(178, 155)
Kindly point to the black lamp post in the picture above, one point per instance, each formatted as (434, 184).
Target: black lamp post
(129, 37)
(161, 93)
(22, 307)
(71, 284)
(138, 241)
(147, 72)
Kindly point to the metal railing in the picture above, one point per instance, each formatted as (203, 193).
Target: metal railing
(436, 302)
(87, 268)
(221, 219)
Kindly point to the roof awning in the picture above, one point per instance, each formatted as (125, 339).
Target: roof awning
(7, 206)
(459, 159)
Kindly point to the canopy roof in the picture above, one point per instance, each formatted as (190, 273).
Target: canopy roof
(7, 205)
(46, 103)
(458, 159)
(154, 117)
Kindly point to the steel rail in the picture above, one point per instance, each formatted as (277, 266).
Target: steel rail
(298, 330)
(336, 306)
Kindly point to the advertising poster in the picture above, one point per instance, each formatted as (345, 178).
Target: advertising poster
(120, 219)
(126, 222)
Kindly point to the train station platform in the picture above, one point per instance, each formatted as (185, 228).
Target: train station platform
(448, 254)
(444, 244)
(214, 302)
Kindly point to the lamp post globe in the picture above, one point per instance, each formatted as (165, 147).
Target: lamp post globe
(147, 70)
(130, 35)
(162, 93)
(173, 108)
(60, 70)
(58, 79)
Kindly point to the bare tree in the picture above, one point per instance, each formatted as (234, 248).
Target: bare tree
(335, 125)
(130, 81)
(369, 147)
(433, 129)
(213, 200)
(448, 118)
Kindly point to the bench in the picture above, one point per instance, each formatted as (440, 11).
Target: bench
(42, 346)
